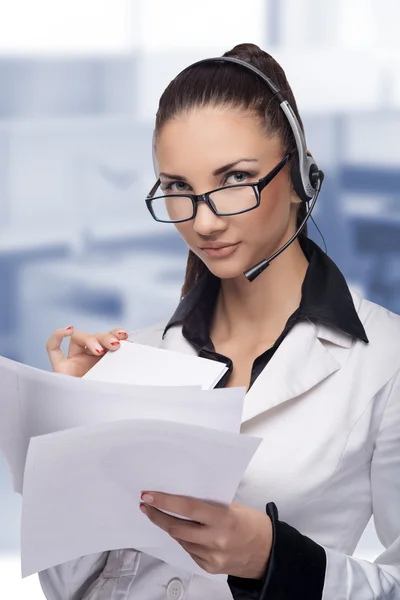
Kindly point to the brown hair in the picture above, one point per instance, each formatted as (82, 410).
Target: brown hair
(227, 85)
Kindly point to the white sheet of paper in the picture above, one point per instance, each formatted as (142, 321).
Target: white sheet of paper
(13, 441)
(147, 365)
(35, 402)
(54, 404)
(82, 486)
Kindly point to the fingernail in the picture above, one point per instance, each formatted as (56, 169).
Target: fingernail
(147, 498)
(99, 351)
(123, 333)
(143, 508)
(114, 343)
(69, 328)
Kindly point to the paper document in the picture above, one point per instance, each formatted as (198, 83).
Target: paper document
(82, 449)
(35, 402)
(82, 486)
(146, 365)
(13, 440)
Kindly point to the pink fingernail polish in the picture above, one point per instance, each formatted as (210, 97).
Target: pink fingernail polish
(99, 351)
(69, 328)
(123, 333)
(114, 343)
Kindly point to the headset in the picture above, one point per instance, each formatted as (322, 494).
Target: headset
(306, 177)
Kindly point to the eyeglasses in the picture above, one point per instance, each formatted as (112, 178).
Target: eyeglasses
(225, 201)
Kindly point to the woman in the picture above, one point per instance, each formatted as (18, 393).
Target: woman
(320, 363)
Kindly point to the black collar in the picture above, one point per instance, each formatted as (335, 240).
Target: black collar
(325, 297)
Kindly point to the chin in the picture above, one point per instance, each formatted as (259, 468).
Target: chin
(226, 269)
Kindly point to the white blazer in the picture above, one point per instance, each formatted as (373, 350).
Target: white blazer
(328, 409)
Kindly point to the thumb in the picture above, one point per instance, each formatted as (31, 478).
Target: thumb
(53, 346)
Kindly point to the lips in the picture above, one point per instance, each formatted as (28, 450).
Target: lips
(219, 250)
(216, 245)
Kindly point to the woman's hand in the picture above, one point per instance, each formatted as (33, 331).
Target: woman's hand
(84, 350)
(235, 540)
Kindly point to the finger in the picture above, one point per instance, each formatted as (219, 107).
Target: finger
(196, 510)
(83, 342)
(202, 562)
(119, 334)
(109, 340)
(200, 554)
(210, 564)
(196, 551)
(96, 344)
(53, 345)
(182, 529)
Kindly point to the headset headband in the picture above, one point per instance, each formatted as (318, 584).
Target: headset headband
(305, 172)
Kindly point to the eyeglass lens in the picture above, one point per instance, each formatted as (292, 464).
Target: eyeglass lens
(228, 201)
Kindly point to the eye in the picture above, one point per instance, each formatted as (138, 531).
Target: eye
(237, 177)
(175, 187)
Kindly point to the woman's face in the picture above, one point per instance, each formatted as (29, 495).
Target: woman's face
(192, 151)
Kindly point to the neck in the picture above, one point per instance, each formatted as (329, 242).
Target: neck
(262, 307)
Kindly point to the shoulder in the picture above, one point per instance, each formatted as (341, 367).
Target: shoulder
(381, 356)
(381, 325)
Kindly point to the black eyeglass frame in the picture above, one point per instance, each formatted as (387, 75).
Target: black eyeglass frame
(258, 187)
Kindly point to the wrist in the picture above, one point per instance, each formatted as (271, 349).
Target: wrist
(251, 582)
(263, 550)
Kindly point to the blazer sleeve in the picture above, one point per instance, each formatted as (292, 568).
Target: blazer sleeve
(349, 578)
(72, 579)
(300, 568)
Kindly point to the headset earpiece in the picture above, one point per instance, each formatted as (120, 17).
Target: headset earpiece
(305, 178)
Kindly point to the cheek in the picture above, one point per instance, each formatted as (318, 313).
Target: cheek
(275, 204)
(270, 219)
(185, 230)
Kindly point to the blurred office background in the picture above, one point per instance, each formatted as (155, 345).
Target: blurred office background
(79, 85)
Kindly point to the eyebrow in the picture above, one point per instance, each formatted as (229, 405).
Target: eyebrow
(218, 171)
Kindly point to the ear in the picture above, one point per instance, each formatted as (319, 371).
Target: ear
(294, 199)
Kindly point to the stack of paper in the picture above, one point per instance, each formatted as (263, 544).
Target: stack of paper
(145, 365)
(82, 450)
(94, 506)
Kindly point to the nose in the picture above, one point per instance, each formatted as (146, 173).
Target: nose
(206, 222)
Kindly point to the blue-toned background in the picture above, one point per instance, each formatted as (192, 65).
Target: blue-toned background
(79, 85)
